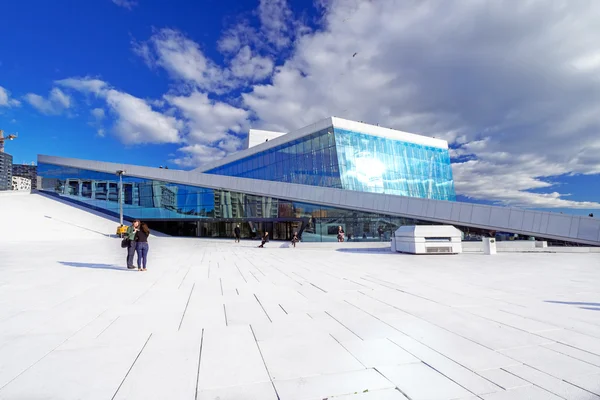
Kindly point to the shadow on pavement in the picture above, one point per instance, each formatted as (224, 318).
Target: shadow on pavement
(94, 266)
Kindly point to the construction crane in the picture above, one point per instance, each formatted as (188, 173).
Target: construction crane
(3, 139)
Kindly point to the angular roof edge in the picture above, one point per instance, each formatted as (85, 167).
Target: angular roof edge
(327, 122)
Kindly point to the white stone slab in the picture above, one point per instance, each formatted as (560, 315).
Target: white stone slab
(504, 379)
(421, 382)
(523, 393)
(378, 352)
(256, 391)
(291, 358)
(332, 385)
(552, 384)
(230, 355)
(555, 364)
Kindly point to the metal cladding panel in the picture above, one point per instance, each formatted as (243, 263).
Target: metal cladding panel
(481, 215)
(544, 225)
(515, 220)
(499, 216)
(415, 206)
(455, 215)
(580, 229)
(335, 197)
(404, 205)
(395, 204)
(574, 227)
(528, 221)
(589, 229)
(443, 210)
(537, 222)
(559, 225)
(430, 209)
(466, 211)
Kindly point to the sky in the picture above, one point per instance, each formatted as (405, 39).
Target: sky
(513, 86)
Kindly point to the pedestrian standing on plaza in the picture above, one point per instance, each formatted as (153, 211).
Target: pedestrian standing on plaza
(265, 239)
(141, 238)
(340, 236)
(131, 245)
(295, 239)
(237, 233)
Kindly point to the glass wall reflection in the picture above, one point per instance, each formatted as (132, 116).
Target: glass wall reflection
(351, 160)
(213, 213)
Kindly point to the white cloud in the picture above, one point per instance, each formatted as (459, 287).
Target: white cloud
(84, 84)
(55, 104)
(277, 22)
(251, 67)
(182, 58)
(6, 100)
(98, 114)
(100, 132)
(128, 4)
(479, 74)
(210, 123)
(198, 154)
(136, 121)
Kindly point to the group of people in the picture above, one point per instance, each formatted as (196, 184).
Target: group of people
(136, 241)
(265, 238)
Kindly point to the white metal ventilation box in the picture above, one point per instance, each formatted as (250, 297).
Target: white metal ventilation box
(427, 239)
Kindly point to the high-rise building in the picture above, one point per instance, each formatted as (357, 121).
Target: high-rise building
(5, 171)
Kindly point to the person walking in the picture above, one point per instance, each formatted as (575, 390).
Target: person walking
(237, 233)
(265, 239)
(141, 238)
(295, 239)
(130, 236)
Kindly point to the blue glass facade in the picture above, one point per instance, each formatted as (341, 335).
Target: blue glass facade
(351, 160)
(212, 213)
(310, 160)
(381, 165)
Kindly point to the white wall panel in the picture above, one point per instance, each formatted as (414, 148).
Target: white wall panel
(574, 227)
(544, 225)
(466, 210)
(559, 225)
(455, 215)
(537, 222)
(415, 206)
(589, 229)
(480, 215)
(395, 204)
(528, 217)
(443, 210)
(430, 208)
(515, 220)
(499, 217)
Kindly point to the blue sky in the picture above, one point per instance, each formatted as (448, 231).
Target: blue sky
(179, 82)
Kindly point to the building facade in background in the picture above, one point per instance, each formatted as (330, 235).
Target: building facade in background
(366, 179)
(347, 155)
(5, 171)
(21, 184)
(26, 171)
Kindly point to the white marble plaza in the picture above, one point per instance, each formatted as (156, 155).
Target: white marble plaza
(212, 319)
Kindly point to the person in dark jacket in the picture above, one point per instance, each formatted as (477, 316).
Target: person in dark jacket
(295, 239)
(265, 239)
(130, 236)
(141, 239)
(237, 233)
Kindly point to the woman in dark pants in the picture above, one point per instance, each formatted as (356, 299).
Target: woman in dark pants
(130, 234)
(141, 238)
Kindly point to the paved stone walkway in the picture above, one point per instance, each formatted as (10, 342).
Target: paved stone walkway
(214, 320)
